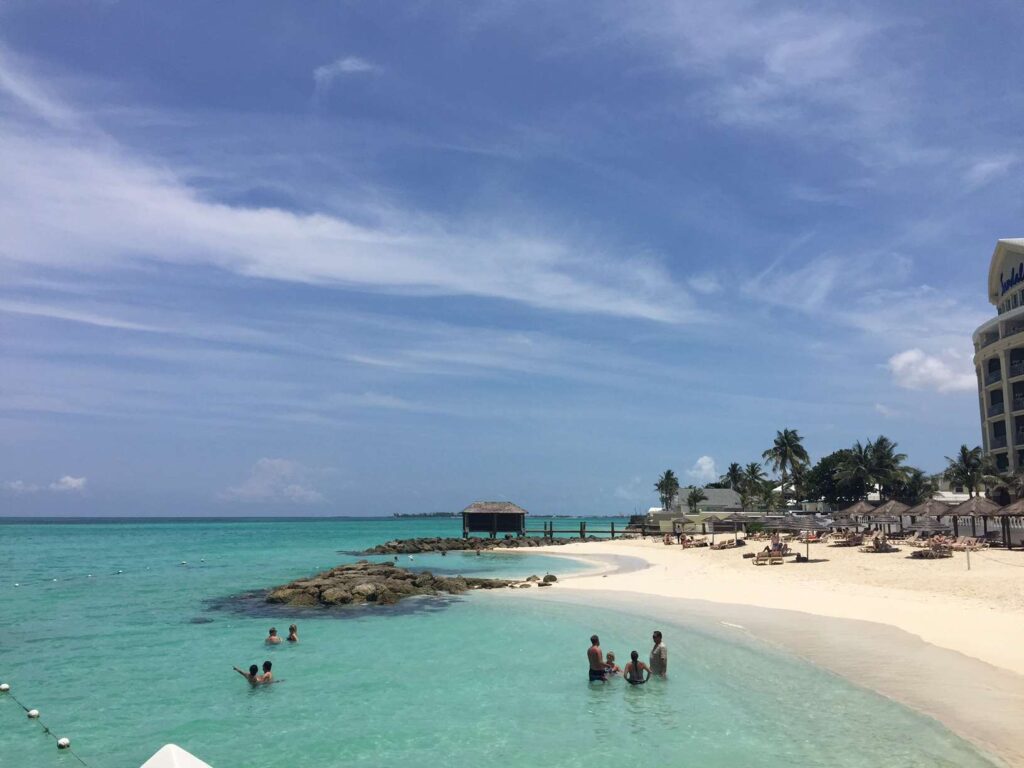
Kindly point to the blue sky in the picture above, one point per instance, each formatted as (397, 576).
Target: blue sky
(361, 258)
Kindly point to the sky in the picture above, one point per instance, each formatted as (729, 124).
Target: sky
(345, 258)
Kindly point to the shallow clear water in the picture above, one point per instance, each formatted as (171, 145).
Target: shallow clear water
(115, 663)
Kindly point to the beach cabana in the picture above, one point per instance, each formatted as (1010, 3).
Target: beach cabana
(978, 507)
(493, 517)
(891, 508)
(929, 508)
(1004, 514)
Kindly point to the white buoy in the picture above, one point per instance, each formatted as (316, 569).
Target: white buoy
(17, 584)
(4, 687)
(120, 571)
(63, 743)
(202, 559)
(184, 563)
(33, 714)
(54, 579)
(90, 575)
(410, 557)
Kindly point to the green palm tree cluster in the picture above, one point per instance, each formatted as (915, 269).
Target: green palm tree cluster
(733, 477)
(752, 484)
(874, 464)
(667, 488)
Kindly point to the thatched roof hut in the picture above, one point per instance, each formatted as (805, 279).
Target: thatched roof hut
(930, 508)
(493, 517)
(891, 508)
(979, 506)
(859, 508)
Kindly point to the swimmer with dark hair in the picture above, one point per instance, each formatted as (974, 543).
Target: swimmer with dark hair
(253, 675)
(636, 672)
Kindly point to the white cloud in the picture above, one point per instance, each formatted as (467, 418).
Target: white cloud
(704, 470)
(913, 369)
(118, 209)
(886, 411)
(66, 484)
(325, 75)
(20, 487)
(69, 484)
(981, 172)
(275, 480)
(706, 284)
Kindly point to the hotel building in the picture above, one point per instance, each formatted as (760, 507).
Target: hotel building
(999, 358)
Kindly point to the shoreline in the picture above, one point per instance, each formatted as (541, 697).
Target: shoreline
(879, 638)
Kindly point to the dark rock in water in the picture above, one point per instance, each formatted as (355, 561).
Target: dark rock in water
(534, 577)
(544, 584)
(550, 578)
(200, 620)
(444, 545)
(380, 583)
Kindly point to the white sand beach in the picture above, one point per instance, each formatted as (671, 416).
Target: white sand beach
(944, 640)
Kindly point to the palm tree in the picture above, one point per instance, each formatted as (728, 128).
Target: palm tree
(886, 464)
(767, 496)
(750, 485)
(786, 454)
(856, 467)
(965, 469)
(914, 487)
(667, 488)
(733, 477)
(695, 497)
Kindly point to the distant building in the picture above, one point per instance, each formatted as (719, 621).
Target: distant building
(999, 358)
(723, 500)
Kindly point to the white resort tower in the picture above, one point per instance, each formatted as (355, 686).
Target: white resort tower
(999, 358)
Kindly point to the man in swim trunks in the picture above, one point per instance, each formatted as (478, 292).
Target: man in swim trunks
(272, 638)
(659, 656)
(267, 676)
(597, 671)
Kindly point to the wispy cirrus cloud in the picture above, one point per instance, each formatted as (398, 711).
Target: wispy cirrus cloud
(66, 484)
(116, 208)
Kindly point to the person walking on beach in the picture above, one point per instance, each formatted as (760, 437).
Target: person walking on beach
(636, 672)
(272, 638)
(253, 675)
(659, 656)
(293, 634)
(596, 660)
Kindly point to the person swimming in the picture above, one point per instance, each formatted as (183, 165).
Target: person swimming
(272, 638)
(637, 673)
(267, 676)
(293, 633)
(253, 675)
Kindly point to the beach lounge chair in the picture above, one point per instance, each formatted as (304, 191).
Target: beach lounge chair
(761, 558)
(775, 558)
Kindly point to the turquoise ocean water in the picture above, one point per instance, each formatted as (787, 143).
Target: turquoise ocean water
(123, 663)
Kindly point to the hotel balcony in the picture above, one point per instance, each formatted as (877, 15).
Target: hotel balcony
(1017, 369)
(989, 340)
(998, 442)
(995, 409)
(996, 376)
(1013, 330)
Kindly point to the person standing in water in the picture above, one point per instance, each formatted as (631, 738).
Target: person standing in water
(659, 656)
(596, 660)
(272, 638)
(636, 672)
(253, 675)
(267, 676)
(293, 633)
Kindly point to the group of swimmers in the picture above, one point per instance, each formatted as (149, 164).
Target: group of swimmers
(253, 675)
(603, 666)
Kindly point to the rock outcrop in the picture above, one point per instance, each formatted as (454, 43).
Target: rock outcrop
(381, 583)
(438, 544)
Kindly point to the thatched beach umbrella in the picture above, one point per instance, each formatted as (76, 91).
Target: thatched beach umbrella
(736, 519)
(856, 510)
(974, 508)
